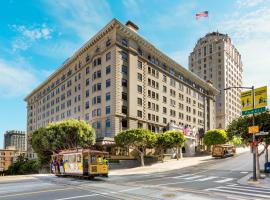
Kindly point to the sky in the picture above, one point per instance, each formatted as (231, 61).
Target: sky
(37, 36)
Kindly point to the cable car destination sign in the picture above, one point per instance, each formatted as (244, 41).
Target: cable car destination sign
(260, 101)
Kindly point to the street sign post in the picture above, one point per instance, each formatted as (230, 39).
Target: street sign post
(262, 133)
(253, 129)
(254, 101)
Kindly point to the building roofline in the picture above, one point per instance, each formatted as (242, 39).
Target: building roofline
(97, 36)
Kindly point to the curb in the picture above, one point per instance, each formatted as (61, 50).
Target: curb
(246, 181)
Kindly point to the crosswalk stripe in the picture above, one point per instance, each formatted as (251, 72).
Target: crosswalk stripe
(192, 177)
(207, 178)
(224, 180)
(185, 175)
(249, 187)
(245, 189)
(239, 192)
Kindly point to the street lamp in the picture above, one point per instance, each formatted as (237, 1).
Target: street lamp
(253, 123)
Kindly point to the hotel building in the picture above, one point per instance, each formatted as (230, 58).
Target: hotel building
(118, 80)
(215, 59)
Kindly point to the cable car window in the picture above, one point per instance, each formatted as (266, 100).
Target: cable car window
(72, 158)
(93, 158)
(78, 158)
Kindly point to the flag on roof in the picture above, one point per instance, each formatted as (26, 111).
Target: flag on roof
(202, 14)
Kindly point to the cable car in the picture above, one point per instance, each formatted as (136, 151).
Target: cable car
(81, 162)
(223, 150)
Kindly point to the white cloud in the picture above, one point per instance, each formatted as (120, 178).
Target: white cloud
(19, 44)
(245, 26)
(15, 78)
(33, 33)
(28, 35)
(248, 3)
(83, 17)
(250, 32)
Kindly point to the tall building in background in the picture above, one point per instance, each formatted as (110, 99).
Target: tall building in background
(118, 80)
(15, 139)
(216, 59)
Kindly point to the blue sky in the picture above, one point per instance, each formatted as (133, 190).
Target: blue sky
(37, 36)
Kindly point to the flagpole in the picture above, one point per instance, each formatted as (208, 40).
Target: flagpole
(209, 28)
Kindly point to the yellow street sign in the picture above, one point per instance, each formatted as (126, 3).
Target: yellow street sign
(253, 129)
(260, 98)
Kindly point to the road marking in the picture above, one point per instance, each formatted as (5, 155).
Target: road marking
(99, 194)
(185, 175)
(192, 177)
(37, 192)
(239, 192)
(164, 184)
(207, 178)
(244, 172)
(224, 180)
(77, 197)
(248, 187)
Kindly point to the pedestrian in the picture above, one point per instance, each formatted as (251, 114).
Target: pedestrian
(61, 166)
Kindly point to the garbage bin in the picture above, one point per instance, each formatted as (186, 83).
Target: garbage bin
(267, 167)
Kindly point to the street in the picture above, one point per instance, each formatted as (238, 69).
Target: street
(215, 179)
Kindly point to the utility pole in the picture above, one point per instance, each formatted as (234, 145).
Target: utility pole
(254, 149)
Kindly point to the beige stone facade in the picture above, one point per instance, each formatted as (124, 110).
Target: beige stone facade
(215, 58)
(118, 80)
(9, 156)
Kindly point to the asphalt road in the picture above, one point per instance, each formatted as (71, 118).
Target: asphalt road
(216, 179)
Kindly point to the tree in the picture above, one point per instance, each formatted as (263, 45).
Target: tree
(170, 140)
(68, 134)
(138, 139)
(236, 141)
(215, 136)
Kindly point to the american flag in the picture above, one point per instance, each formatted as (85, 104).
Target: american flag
(202, 14)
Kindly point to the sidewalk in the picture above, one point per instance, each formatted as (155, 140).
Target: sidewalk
(170, 164)
(263, 183)
(21, 177)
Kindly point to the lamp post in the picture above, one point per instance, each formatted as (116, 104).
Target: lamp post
(253, 123)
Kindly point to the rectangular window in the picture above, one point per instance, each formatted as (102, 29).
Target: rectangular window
(108, 110)
(139, 76)
(108, 96)
(87, 93)
(86, 104)
(124, 69)
(108, 56)
(108, 69)
(98, 99)
(164, 110)
(124, 56)
(98, 112)
(124, 42)
(87, 70)
(139, 64)
(124, 109)
(108, 83)
(108, 123)
(139, 101)
(164, 99)
(139, 113)
(139, 88)
(87, 82)
(124, 96)
(124, 82)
